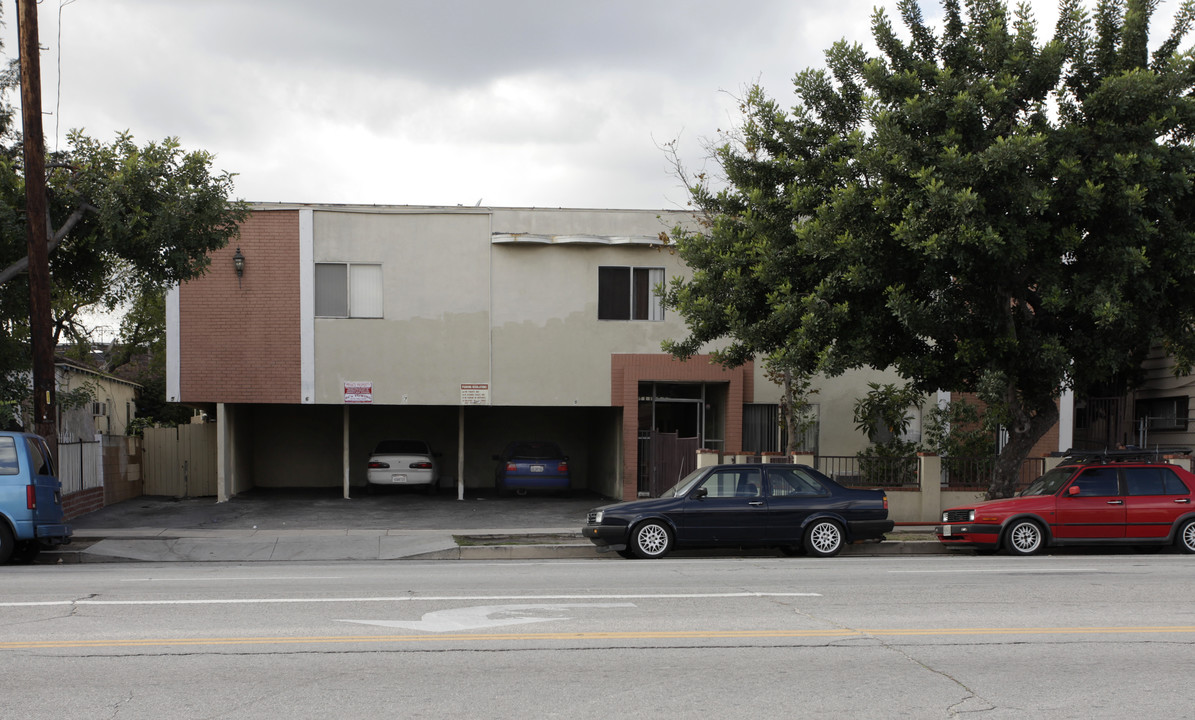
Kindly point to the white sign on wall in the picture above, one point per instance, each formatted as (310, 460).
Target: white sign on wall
(475, 393)
(358, 392)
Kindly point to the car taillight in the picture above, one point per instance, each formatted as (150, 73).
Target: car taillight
(562, 467)
(885, 501)
(31, 497)
(421, 465)
(378, 465)
(511, 467)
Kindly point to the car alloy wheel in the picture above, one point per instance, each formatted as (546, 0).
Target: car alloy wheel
(651, 540)
(824, 538)
(1186, 537)
(1025, 538)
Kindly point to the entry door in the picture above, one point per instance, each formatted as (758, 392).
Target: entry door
(1096, 511)
(733, 509)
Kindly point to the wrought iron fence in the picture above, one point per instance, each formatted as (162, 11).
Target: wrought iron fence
(870, 471)
(960, 473)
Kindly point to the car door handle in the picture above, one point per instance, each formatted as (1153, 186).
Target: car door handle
(756, 502)
(1183, 500)
(1116, 502)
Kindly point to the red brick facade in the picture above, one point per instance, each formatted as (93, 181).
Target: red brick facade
(627, 370)
(239, 343)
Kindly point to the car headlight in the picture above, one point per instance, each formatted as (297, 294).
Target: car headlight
(597, 517)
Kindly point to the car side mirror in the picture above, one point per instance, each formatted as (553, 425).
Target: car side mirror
(1073, 490)
(700, 493)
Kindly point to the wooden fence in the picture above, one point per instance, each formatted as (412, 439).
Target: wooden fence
(181, 461)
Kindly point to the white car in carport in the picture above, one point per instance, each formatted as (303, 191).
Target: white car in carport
(403, 462)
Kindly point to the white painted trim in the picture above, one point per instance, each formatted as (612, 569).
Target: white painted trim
(1066, 421)
(534, 238)
(173, 361)
(306, 306)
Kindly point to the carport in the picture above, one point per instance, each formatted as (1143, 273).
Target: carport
(293, 446)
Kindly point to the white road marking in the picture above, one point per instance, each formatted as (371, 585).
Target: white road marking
(1010, 568)
(486, 616)
(407, 598)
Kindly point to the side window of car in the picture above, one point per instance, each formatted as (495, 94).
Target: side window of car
(8, 457)
(1146, 481)
(789, 482)
(732, 483)
(1097, 482)
(1174, 484)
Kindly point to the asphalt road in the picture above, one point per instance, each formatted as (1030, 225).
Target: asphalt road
(1083, 636)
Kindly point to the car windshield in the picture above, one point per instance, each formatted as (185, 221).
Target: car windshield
(535, 451)
(401, 447)
(1049, 483)
(684, 485)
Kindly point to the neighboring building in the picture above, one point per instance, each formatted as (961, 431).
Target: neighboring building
(1154, 414)
(91, 402)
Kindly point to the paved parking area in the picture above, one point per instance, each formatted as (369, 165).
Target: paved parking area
(326, 508)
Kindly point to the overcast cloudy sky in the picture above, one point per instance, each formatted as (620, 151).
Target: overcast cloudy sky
(443, 102)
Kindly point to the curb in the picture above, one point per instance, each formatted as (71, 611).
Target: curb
(516, 551)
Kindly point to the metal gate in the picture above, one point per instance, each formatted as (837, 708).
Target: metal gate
(181, 461)
(672, 458)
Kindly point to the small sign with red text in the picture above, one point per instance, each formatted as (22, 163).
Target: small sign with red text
(358, 392)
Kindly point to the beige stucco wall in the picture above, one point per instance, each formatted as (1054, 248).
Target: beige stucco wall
(434, 335)
(835, 398)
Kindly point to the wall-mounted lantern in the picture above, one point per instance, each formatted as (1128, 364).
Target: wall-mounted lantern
(238, 264)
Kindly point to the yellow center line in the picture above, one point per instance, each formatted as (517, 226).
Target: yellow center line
(629, 635)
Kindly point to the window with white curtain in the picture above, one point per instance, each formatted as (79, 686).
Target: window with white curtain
(348, 290)
(627, 293)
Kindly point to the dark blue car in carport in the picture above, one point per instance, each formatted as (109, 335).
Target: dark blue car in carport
(791, 507)
(532, 465)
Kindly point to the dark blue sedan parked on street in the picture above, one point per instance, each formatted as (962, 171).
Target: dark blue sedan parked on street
(792, 507)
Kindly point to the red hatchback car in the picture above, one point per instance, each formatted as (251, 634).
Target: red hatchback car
(1117, 497)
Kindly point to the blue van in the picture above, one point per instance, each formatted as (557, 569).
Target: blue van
(30, 498)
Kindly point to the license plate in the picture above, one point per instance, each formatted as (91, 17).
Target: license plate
(946, 530)
(398, 478)
(536, 468)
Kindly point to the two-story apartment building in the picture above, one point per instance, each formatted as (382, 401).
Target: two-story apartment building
(326, 329)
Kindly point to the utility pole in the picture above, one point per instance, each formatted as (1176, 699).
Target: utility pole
(40, 324)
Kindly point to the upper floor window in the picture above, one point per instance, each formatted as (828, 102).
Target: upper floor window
(348, 290)
(625, 293)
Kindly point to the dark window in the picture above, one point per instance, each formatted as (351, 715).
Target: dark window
(1097, 482)
(1163, 413)
(1153, 481)
(535, 451)
(626, 293)
(401, 447)
(732, 483)
(789, 482)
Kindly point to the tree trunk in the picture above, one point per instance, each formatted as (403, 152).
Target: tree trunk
(1031, 426)
(789, 415)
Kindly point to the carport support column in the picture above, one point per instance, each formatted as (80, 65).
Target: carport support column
(460, 454)
(224, 453)
(345, 459)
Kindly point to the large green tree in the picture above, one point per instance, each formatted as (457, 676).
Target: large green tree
(125, 222)
(972, 208)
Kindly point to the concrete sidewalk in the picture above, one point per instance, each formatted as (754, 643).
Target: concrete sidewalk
(321, 525)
